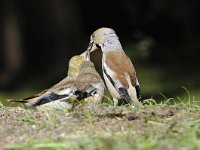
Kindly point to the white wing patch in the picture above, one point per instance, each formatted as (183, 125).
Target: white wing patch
(111, 74)
(63, 91)
(137, 82)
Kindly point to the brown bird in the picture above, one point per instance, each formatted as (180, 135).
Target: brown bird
(89, 83)
(82, 83)
(118, 70)
(57, 95)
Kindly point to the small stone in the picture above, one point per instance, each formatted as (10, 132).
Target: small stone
(130, 118)
(33, 127)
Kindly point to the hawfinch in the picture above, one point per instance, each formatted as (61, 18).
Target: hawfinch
(60, 94)
(118, 70)
(88, 84)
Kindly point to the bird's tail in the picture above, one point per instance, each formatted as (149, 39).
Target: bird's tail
(25, 100)
(15, 100)
(36, 101)
(49, 98)
(124, 93)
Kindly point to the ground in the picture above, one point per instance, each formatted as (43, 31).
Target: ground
(150, 126)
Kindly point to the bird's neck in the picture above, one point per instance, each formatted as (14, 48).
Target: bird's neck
(112, 43)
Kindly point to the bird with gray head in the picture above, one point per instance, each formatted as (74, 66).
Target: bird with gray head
(118, 70)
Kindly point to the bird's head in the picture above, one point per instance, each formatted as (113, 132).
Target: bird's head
(87, 64)
(74, 65)
(76, 62)
(101, 38)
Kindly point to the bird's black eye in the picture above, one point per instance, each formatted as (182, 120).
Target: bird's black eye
(98, 46)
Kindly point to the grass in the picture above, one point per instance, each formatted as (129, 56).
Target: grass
(27, 119)
(184, 140)
(1, 104)
(171, 124)
(95, 142)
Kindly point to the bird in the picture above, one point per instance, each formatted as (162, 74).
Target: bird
(57, 94)
(89, 83)
(118, 70)
(77, 85)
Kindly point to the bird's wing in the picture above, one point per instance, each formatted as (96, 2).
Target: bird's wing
(60, 91)
(134, 81)
(30, 99)
(118, 68)
(123, 92)
(86, 82)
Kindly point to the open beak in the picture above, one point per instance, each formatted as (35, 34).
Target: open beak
(86, 55)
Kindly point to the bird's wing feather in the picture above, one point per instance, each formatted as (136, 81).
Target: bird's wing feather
(120, 71)
(120, 64)
(85, 81)
(29, 99)
(48, 98)
(123, 92)
(59, 91)
(115, 82)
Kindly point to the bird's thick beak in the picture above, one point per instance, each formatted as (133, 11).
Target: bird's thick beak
(92, 47)
(86, 55)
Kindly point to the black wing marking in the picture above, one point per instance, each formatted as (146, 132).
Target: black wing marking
(81, 95)
(49, 98)
(124, 93)
(138, 91)
(111, 80)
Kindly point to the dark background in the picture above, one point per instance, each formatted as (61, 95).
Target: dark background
(38, 37)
